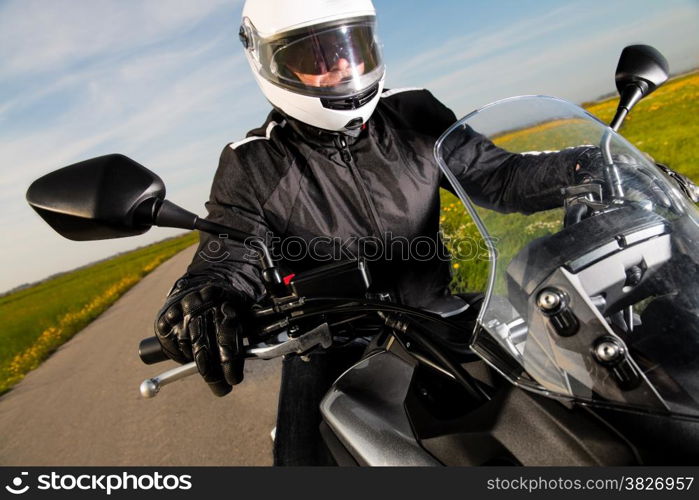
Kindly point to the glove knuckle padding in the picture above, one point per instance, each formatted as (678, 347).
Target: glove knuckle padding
(173, 315)
(162, 327)
(192, 303)
(168, 320)
(203, 325)
(166, 328)
(211, 293)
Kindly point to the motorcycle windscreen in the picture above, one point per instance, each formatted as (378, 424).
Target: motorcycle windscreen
(592, 297)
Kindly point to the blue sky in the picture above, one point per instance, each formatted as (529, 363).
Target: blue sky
(166, 83)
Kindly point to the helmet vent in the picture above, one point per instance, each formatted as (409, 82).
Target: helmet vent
(349, 103)
(243, 36)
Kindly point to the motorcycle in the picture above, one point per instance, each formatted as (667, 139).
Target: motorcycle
(585, 348)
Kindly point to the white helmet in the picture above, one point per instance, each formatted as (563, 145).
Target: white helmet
(318, 61)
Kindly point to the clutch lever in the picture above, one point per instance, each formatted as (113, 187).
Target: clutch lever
(319, 336)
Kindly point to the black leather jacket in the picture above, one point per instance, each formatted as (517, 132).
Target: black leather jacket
(306, 186)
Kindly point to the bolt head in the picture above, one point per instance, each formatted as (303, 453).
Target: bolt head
(549, 299)
(608, 351)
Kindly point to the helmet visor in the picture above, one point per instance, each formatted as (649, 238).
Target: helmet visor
(336, 59)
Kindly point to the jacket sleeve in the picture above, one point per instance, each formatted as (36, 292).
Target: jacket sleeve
(492, 177)
(233, 202)
(509, 182)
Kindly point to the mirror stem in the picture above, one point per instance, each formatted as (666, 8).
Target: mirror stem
(167, 214)
(619, 118)
(629, 98)
(274, 283)
(164, 213)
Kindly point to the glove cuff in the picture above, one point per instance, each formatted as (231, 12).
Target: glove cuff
(189, 283)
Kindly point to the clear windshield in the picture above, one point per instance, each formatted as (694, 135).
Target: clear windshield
(597, 300)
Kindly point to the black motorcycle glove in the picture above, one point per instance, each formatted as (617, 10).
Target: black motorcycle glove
(203, 324)
(591, 167)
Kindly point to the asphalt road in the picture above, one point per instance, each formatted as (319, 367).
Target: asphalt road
(82, 406)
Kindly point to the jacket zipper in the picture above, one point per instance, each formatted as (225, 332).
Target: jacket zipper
(368, 204)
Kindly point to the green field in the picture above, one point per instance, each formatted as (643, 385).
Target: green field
(38, 319)
(664, 125)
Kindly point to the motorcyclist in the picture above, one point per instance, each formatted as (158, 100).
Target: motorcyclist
(338, 157)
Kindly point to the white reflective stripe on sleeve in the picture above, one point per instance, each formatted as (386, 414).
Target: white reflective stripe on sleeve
(391, 92)
(534, 153)
(268, 132)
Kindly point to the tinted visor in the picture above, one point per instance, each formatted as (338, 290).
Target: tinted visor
(328, 60)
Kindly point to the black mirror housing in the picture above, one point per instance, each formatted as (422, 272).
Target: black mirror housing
(106, 197)
(640, 71)
(641, 65)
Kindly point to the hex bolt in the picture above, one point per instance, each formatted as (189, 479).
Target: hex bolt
(549, 299)
(608, 351)
(633, 276)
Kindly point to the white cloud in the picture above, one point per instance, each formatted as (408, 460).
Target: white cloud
(38, 36)
(498, 64)
(152, 92)
(482, 44)
(113, 112)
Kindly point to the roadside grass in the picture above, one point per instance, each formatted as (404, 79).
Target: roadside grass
(38, 319)
(664, 125)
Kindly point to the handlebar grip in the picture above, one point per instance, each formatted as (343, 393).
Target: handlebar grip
(150, 352)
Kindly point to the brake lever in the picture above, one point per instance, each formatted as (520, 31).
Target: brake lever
(319, 336)
(589, 194)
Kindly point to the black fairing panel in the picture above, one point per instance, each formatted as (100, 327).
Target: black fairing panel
(514, 428)
(660, 440)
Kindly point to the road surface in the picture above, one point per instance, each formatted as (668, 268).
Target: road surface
(82, 405)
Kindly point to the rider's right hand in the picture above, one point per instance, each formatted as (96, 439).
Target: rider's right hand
(202, 324)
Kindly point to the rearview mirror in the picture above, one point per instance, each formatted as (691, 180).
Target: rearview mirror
(641, 70)
(106, 197)
(641, 65)
(113, 196)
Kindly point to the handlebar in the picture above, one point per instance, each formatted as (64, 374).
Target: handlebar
(150, 352)
(280, 344)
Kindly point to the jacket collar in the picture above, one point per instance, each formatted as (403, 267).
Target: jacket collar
(321, 138)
